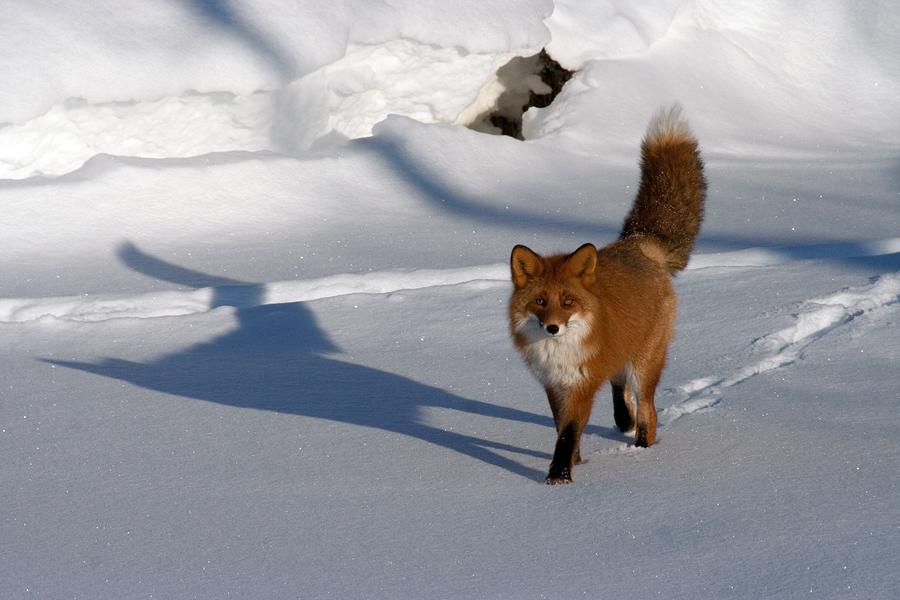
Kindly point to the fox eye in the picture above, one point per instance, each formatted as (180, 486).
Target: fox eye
(568, 302)
(540, 302)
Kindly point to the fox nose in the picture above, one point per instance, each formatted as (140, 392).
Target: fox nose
(552, 329)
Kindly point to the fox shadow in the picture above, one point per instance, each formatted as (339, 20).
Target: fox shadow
(277, 359)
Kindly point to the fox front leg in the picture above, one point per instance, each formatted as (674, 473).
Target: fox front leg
(570, 425)
(557, 407)
(564, 455)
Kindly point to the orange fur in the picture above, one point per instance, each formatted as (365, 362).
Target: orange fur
(582, 319)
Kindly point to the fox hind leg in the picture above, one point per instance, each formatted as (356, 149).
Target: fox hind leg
(646, 379)
(645, 431)
(623, 407)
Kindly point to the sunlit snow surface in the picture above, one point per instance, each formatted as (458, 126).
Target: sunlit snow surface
(253, 302)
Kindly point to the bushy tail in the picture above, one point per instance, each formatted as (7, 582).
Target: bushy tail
(669, 203)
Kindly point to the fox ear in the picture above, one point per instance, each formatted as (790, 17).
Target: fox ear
(525, 265)
(583, 264)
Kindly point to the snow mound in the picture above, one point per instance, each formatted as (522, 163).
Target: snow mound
(285, 77)
(345, 99)
(130, 50)
(70, 134)
(239, 76)
(801, 77)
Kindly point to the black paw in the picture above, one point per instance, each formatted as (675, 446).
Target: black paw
(558, 476)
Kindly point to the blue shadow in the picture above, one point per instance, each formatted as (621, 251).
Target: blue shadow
(223, 15)
(274, 361)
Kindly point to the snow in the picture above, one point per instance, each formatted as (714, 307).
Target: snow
(254, 282)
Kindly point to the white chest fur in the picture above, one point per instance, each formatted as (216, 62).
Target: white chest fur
(557, 361)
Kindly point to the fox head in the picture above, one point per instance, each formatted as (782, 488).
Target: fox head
(552, 294)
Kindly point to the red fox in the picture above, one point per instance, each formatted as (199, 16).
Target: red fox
(582, 319)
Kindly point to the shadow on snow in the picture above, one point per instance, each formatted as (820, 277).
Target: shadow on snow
(274, 361)
(222, 14)
(442, 196)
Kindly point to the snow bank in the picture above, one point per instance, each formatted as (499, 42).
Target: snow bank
(193, 124)
(285, 76)
(131, 50)
(172, 79)
(765, 75)
(347, 98)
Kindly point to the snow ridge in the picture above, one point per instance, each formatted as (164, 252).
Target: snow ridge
(175, 303)
(180, 302)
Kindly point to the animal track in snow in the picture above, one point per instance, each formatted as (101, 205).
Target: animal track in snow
(785, 347)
